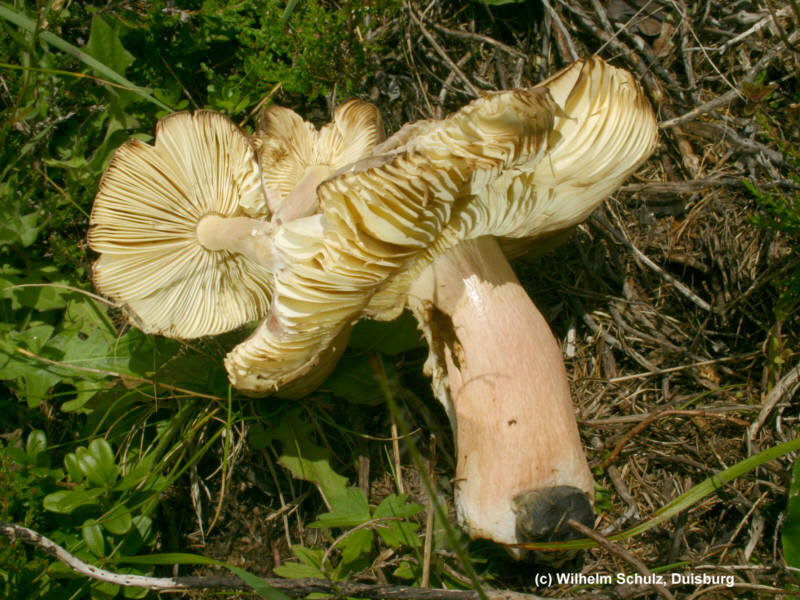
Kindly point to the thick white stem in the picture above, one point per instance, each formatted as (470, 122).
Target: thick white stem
(506, 387)
(242, 235)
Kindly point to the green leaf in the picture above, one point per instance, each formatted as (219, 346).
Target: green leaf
(141, 534)
(310, 564)
(347, 510)
(118, 521)
(65, 502)
(35, 444)
(73, 468)
(354, 380)
(102, 590)
(104, 45)
(108, 469)
(295, 570)
(305, 459)
(398, 533)
(408, 571)
(93, 536)
(260, 587)
(388, 337)
(355, 549)
(790, 534)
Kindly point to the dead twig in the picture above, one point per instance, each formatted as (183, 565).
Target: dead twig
(733, 94)
(787, 386)
(654, 580)
(296, 588)
(471, 89)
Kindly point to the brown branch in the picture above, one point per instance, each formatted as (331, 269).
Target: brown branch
(296, 588)
(624, 555)
(691, 186)
(733, 94)
(471, 89)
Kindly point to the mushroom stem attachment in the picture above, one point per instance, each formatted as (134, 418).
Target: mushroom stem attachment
(507, 395)
(243, 235)
(302, 200)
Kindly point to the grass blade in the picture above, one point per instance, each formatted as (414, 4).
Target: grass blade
(682, 502)
(105, 71)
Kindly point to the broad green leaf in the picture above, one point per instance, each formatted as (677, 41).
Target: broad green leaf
(354, 380)
(19, 226)
(35, 444)
(102, 590)
(260, 587)
(309, 565)
(355, 550)
(347, 510)
(305, 459)
(73, 468)
(93, 536)
(119, 521)
(790, 534)
(104, 45)
(37, 288)
(388, 337)
(408, 571)
(308, 556)
(67, 501)
(398, 533)
(140, 534)
(295, 570)
(90, 466)
(396, 505)
(108, 469)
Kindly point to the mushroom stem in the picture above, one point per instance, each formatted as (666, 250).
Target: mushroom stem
(507, 395)
(242, 235)
(302, 200)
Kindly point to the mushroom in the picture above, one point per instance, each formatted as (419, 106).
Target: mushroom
(421, 223)
(154, 223)
(184, 226)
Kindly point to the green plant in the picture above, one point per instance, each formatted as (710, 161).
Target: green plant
(105, 510)
(790, 534)
(781, 213)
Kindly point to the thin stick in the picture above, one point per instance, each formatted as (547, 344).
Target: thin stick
(441, 52)
(621, 553)
(652, 419)
(297, 588)
(429, 517)
(788, 384)
(65, 287)
(730, 95)
(680, 287)
(671, 369)
(560, 24)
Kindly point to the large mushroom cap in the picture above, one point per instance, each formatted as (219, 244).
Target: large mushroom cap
(145, 219)
(514, 165)
(375, 221)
